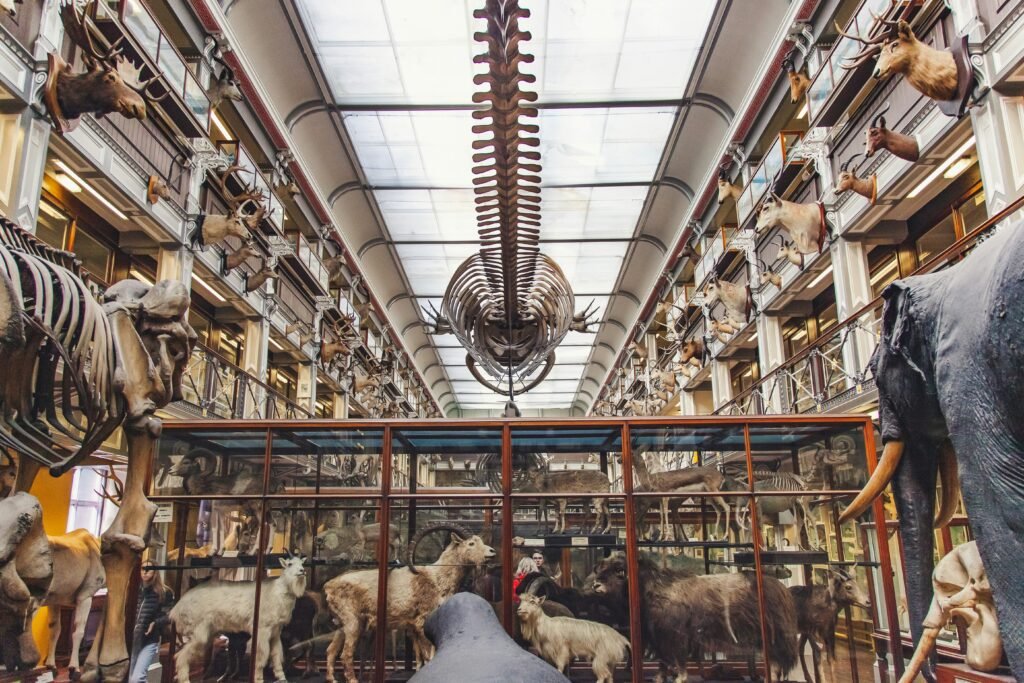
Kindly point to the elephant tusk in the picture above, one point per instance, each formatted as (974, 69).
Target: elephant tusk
(950, 478)
(924, 648)
(880, 478)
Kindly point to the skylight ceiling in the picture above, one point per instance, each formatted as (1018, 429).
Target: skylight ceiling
(611, 75)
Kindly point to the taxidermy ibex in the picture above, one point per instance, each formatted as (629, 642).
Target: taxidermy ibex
(110, 84)
(799, 81)
(879, 137)
(848, 180)
(805, 223)
(930, 71)
(727, 189)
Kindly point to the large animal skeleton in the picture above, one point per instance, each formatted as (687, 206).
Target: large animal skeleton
(509, 304)
(78, 369)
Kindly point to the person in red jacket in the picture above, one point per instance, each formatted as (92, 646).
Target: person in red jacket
(526, 566)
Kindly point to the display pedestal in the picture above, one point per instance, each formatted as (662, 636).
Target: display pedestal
(955, 673)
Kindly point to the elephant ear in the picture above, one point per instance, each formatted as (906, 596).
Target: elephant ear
(898, 326)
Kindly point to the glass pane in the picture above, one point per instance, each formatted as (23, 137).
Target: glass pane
(196, 100)
(214, 462)
(52, 225)
(974, 212)
(173, 68)
(437, 459)
(93, 254)
(326, 461)
(936, 239)
(142, 27)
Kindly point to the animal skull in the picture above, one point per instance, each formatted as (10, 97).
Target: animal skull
(961, 590)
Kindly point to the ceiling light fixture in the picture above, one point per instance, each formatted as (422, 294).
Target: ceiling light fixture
(803, 111)
(941, 168)
(202, 283)
(90, 189)
(219, 125)
(276, 345)
(65, 181)
(958, 167)
(818, 280)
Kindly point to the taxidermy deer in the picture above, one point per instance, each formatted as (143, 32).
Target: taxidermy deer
(930, 71)
(768, 275)
(848, 180)
(240, 256)
(727, 189)
(879, 137)
(330, 350)
(799, 81)
(267, 271)
(805, 223)
(224, 88)
(213, 229)
(111, 82)
(736, 298)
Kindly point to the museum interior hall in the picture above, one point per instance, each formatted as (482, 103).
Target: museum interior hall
(511, 341)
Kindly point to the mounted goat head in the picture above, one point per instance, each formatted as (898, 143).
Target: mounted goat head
(267, 271)
(799, 81)
(769, 275)
(726, 188)
(111, 83)
(240, 256)
(879, 137)
(848, 180)
(805, 223)
(930, 71)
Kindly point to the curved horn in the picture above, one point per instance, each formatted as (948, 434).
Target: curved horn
(880, 478)
(845, 166)
(429, 529)
(950, 478)
(880, 116)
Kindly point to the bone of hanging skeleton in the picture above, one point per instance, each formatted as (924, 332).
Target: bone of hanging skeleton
(509, 305)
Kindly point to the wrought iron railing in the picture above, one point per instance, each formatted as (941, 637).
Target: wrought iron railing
(837, 363)
(214, 387)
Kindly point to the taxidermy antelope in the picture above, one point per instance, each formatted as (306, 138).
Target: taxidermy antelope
(848, 180)
(157, 189)
(267, 271)
(769, 275)
(111, 82)
(224, 88)
(727, 189)
(790, 253)
(805, 223)
(240, 256)
(736, 298)
(799, 81)
(930, 71)
(877, 137)
(721, 329)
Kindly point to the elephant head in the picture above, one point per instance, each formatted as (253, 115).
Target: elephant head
(949, 368)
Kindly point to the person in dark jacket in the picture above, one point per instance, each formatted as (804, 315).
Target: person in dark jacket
(155, 601)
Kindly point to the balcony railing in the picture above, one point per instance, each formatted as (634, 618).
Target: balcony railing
(766, 174)
(835, 365)
(216, 388)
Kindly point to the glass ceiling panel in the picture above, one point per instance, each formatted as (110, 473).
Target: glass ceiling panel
(420, 51)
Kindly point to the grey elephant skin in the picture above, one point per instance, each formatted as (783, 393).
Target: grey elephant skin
(950, 373)
(472, 647)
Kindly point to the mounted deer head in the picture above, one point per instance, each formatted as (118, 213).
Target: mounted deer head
(805, 223)
(224, 88)
(930, 71)
(726, 188)
(156, 189)
(111, 82)
(240, 256)
(267, 271)
(848, 180)
(877, 137)
(214, 228)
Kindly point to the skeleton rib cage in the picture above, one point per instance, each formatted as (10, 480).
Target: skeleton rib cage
(59, 350)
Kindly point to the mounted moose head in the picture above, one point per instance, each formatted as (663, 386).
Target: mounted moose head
(848, 180)
(930, 71)
(799, 81)
(805, 223)
(726, 188)
(111, 82)
(877, 137)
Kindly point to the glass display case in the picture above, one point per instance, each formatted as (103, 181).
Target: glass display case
(716, 530)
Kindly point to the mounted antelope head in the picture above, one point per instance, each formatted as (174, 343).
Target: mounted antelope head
(848, 180)
(111, 82)
(736, 299)
(768, 275)
(240, 256)
(726, 188)
(692, 352)
(224, 88)
(799, 81)
(930, 71)
(877, 137)
(639, 350)
(156, 189)
(805, 223)
(790, 253)
(267, 271)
